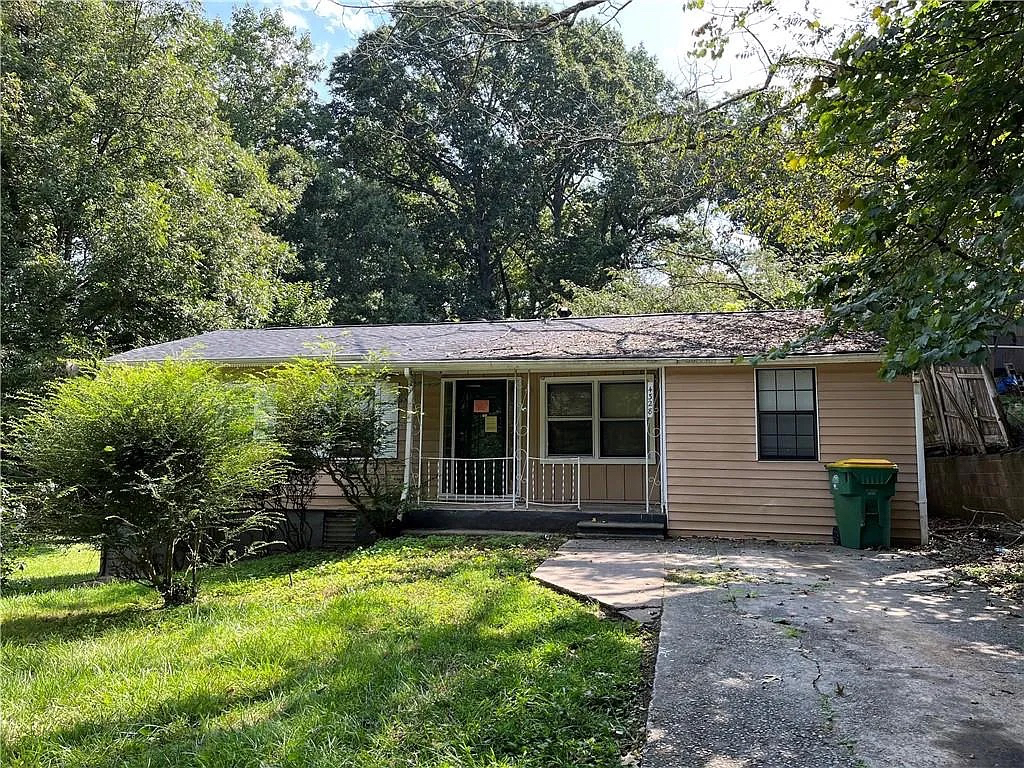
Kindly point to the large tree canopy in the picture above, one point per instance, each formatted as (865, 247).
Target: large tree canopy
(935, 232)
(358, 239)
(754, 219)
(265, 75)
(508, 159)
(130, 214)
(165, 174)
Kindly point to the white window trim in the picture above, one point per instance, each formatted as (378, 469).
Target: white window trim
(757, 416)
(388, 407)
(595, 418)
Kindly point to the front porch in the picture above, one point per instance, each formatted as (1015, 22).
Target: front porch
(535, 451)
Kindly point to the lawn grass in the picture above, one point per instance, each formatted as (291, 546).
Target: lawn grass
(54, 567)
(414, 652)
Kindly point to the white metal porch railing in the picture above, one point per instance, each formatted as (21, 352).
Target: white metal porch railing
(504, 480)
(551, 482)
(468, 480)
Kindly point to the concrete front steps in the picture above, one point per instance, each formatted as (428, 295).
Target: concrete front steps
(601, 528)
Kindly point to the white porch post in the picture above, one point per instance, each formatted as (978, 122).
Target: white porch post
(579, 484)
(648, 412)
(526, 496)
(662, 443)
(419, 451)
(407, 471)
(517, 465)
(516, 416)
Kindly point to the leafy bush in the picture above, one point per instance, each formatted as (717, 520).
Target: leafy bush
(162, 465)
(14, 532)
(329, 419)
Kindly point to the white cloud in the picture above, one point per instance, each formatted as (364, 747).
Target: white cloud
(338, 16)
(294, 19)
(359, 21)
(666, 29)
(324, 52)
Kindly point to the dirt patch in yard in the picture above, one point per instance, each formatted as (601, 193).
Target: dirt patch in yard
(986, 549)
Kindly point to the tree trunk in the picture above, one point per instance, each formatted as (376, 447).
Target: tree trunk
(485, 277)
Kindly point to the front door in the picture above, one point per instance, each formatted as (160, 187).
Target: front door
(479, 437)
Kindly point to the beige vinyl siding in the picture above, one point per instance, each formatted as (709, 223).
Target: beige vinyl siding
(432, 413)
(717, 486)
(327, 495)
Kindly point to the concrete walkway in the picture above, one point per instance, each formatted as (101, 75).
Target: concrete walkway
(776, 655)
(625, 576)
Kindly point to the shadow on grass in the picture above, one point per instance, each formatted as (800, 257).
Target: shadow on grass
(77, 614)
(31, 630)
(37, 584)
(37, 614)
(49, 567)
(496, 682)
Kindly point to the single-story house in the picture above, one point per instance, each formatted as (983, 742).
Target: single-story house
(627, 422)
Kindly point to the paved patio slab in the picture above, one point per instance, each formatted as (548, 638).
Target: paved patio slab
(622, 575)
(785, 655)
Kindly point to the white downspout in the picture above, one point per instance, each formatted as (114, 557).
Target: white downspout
(529, 464)
(922, 482)
(406, 473)
(662, 443)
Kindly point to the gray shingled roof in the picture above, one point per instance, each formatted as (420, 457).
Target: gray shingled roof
(631, 337)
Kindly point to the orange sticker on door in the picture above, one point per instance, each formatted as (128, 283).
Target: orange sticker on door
(481, 406)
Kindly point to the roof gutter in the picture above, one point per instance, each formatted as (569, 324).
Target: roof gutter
(542, 364)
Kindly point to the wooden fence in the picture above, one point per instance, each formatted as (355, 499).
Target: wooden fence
(962, 413)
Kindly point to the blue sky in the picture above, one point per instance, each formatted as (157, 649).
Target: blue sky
(663, 27)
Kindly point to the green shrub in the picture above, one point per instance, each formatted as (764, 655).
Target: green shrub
(328, 417)
(14, 532)
(162, 465)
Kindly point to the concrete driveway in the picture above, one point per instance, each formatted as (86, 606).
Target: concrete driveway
(785, 655)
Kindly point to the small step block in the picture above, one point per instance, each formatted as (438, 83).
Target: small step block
(613, 524)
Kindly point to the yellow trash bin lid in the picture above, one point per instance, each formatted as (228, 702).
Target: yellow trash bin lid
(862, 464)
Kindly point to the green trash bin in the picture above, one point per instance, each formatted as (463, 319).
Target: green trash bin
(861, 493)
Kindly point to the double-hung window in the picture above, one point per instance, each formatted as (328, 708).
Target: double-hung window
(622, 426)
(597, 419)
(787, 419)
(571, 419)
